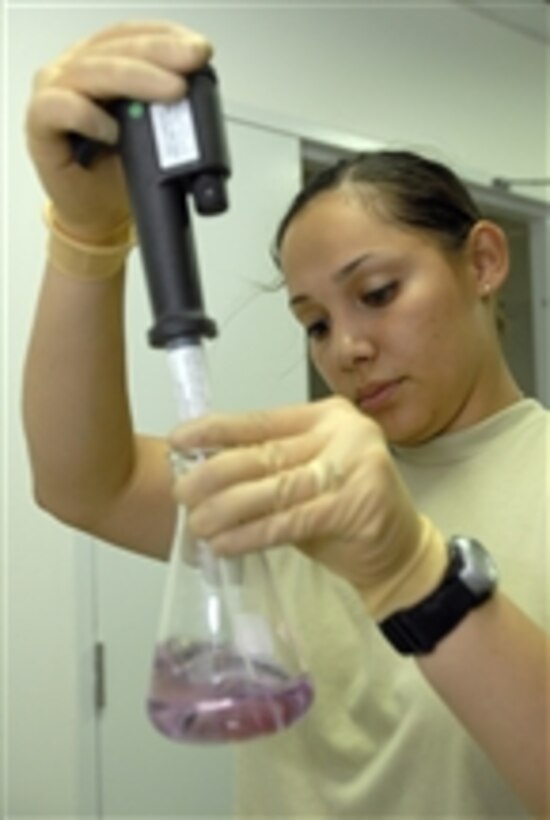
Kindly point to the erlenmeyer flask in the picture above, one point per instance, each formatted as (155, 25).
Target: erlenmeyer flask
(226, 665)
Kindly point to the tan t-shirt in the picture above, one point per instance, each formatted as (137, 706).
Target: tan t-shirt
(378, 742)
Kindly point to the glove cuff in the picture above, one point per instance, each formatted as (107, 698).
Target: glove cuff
(415, 579)
(87, 260)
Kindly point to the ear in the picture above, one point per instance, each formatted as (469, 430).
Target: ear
(488, 257)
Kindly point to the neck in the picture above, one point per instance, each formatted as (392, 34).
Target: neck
(498, 390)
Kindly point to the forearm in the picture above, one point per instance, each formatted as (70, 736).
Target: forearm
(493, 672)
(76, 411)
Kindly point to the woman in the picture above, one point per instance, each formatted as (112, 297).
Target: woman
(393, 274)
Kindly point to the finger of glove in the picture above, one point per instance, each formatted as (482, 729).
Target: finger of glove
(176, 52)
(260, 499)
(248, 464)
(176, 49)
(101, 76)
(298, 525)
(133, 28)
(70, 105)
(167, 45)
(218, 431)
(56, 111)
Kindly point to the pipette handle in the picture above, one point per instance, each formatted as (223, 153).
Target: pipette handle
(171, 152)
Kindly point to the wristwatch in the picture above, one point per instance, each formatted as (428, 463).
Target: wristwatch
(471, 579)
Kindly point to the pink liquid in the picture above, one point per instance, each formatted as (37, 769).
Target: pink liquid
(210, 694)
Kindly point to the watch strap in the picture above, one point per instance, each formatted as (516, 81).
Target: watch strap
(416, 631)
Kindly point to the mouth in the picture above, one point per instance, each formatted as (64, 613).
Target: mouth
(377, 395)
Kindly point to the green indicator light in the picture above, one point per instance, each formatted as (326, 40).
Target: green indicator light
(136, 110)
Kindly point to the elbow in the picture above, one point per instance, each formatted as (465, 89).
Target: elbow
(69, 508)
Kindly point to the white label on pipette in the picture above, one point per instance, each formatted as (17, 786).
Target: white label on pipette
(174, 133)
(252, 635)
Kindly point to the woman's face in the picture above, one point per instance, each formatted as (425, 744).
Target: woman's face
(392, 324)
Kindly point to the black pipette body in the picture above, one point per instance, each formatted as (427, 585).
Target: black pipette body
(169, 153)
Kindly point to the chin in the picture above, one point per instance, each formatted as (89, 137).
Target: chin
(402, 432)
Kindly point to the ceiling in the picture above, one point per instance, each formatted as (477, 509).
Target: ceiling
(529, 17)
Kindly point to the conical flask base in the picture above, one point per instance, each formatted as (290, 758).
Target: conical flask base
(207, 693)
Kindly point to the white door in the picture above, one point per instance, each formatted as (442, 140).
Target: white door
(259, 361)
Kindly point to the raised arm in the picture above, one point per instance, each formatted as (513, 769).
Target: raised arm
(89, 467)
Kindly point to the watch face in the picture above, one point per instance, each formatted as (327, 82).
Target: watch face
(478, 571)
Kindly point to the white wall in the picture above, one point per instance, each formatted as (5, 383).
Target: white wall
(3, 490)
(546, 106)
(432, 76)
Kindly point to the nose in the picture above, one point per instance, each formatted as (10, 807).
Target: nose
(353, 345)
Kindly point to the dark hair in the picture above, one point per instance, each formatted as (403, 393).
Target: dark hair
(414, 190)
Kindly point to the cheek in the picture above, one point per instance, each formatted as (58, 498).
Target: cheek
(428, 332)
(321, 362)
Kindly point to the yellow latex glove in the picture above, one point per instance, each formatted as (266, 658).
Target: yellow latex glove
(318, 476)
(140, 60)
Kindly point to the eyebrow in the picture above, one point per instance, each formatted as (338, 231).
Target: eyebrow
(339, 274)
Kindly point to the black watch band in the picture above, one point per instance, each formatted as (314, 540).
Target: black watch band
(469, 581)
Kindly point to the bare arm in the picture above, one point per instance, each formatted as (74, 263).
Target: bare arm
(493, 672)
(89, 469)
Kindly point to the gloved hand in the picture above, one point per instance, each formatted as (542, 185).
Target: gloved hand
(141, 60)
(320, 477)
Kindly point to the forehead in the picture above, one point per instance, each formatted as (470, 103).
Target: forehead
(337, 225)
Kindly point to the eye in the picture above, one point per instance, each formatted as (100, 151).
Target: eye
(317, 330)
(380, 297)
